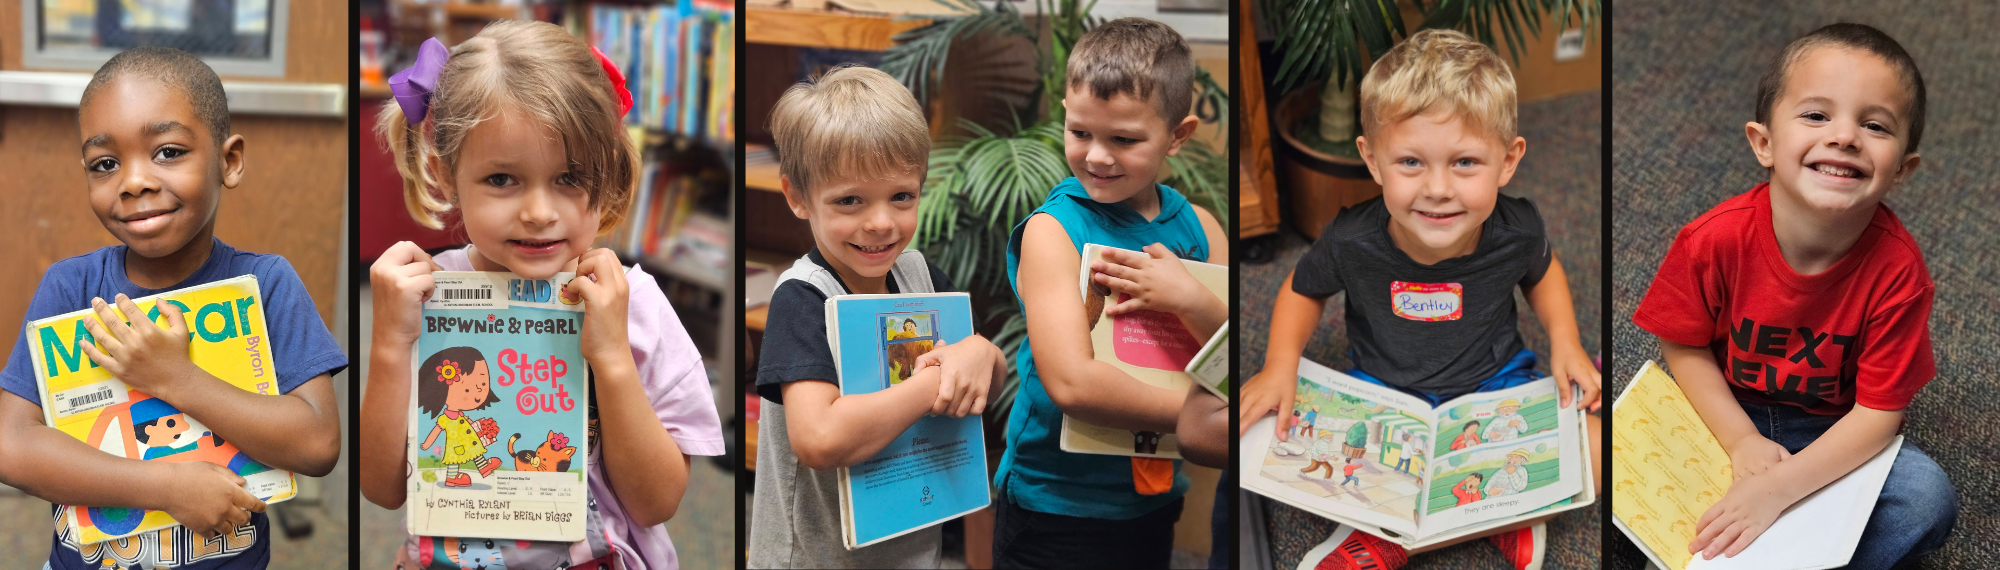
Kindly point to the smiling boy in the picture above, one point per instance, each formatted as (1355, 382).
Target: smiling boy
(1129, 87)
(157, 152)
(1430, 268)
(1795, 316)
(852, 148)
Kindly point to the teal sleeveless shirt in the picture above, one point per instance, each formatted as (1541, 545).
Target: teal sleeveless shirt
(1035, 472)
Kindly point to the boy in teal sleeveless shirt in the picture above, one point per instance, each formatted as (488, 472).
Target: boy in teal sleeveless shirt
(1129, 89)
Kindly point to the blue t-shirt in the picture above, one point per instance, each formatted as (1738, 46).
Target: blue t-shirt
(1035, 472)
(301, 349)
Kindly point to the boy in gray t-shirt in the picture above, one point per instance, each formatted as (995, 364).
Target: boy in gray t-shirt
(852, 147)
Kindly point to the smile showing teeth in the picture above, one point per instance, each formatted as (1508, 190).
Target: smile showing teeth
(872, 249)
(1831, 170)
(1436, 215)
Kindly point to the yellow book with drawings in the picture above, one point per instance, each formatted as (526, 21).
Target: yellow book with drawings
(225, 322)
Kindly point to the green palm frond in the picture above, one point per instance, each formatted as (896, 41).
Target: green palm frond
(1201, 174)
(1318, 38)
(1322, 39)
(918, 58)
(979, 186)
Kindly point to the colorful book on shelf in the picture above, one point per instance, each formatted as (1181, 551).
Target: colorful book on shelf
(1667, 469)
(934, 471)
(227, 338)
(1390, 464)
(1151, 346)
(500, 395)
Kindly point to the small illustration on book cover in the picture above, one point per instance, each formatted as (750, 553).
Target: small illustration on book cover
(905, 336)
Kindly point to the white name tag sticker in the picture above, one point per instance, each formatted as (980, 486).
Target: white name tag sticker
(1427, 301)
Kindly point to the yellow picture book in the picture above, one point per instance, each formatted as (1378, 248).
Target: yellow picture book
(1667, 470)
(1666, 467)
(227, 338)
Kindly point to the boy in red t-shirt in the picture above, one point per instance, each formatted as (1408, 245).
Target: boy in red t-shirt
(1795, 316)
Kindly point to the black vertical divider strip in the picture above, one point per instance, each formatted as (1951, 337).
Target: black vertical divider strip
(1609, 532)
(1235, 177)
(356, 273)
(742, 341)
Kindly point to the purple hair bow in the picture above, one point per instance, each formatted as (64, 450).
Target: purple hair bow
(412, 86)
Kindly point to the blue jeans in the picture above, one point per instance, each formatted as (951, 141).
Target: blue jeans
(1917, 507)
(1519, 370)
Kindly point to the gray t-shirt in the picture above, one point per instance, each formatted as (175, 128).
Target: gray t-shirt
(795, 513)
(1439, 329)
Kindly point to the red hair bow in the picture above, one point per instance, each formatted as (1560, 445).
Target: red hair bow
(617, 81)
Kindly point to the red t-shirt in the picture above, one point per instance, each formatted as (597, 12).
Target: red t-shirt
(1855, 333)
(1350, 469)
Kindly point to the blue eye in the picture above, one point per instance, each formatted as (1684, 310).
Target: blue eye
(1409, 162)
(1465, 163)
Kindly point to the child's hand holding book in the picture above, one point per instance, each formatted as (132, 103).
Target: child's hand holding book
(1753, 454)
(139, 353)
(1271, 389)
(968, 371)
(1744, 513)
(1572, 367)
(1159, 282)
(399, 282)
(600, 279)
(207, 498)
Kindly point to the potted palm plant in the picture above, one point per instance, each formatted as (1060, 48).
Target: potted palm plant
(1322, 43)
(984, 180)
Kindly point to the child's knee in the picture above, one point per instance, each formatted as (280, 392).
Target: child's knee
(1920, 490)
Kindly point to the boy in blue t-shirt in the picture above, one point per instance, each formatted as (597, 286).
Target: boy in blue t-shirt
(156, 154)
(1130, 86)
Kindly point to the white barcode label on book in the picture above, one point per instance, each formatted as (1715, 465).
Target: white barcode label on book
(465, 293)
(90, 397)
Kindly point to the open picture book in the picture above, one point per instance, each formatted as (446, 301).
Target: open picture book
(1667, 469)
(1390, 464)
(1153, 347)
(935, 470)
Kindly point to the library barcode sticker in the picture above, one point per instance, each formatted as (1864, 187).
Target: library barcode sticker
(465, 293)
(89, 397)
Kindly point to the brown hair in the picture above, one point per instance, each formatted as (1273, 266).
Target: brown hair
(538, 69)
(1137, 56)
(1856, 37)
(1441, 70)
(850, 123)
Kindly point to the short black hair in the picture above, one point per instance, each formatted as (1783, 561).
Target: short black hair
(1850, 36)
(176, 69)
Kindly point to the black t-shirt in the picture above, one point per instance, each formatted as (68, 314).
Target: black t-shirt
(1439, 329)
(795, 345)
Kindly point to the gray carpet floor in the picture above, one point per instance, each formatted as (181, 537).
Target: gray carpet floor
(1684, 85)
(1563, 174)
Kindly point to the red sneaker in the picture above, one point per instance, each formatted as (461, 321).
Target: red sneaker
(1347, 549)
(487, 469)
(1522, 547)
(460, 480)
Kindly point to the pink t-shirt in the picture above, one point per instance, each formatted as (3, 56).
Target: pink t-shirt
(671, 370)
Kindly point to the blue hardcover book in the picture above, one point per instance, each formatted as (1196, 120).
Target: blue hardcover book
(936, 470)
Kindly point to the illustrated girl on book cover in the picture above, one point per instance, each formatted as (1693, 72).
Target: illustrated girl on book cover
(451, 383)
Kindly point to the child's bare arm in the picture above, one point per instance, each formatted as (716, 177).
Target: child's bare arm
(384, 421)
(1204, 428)
(1551, 302)
(1080, 385)
(399, 281)
(298, 431)
(55, 467)
(1695, 370)
(1754, 502)
(643, 462)
(829, 430)
(1293, 319)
